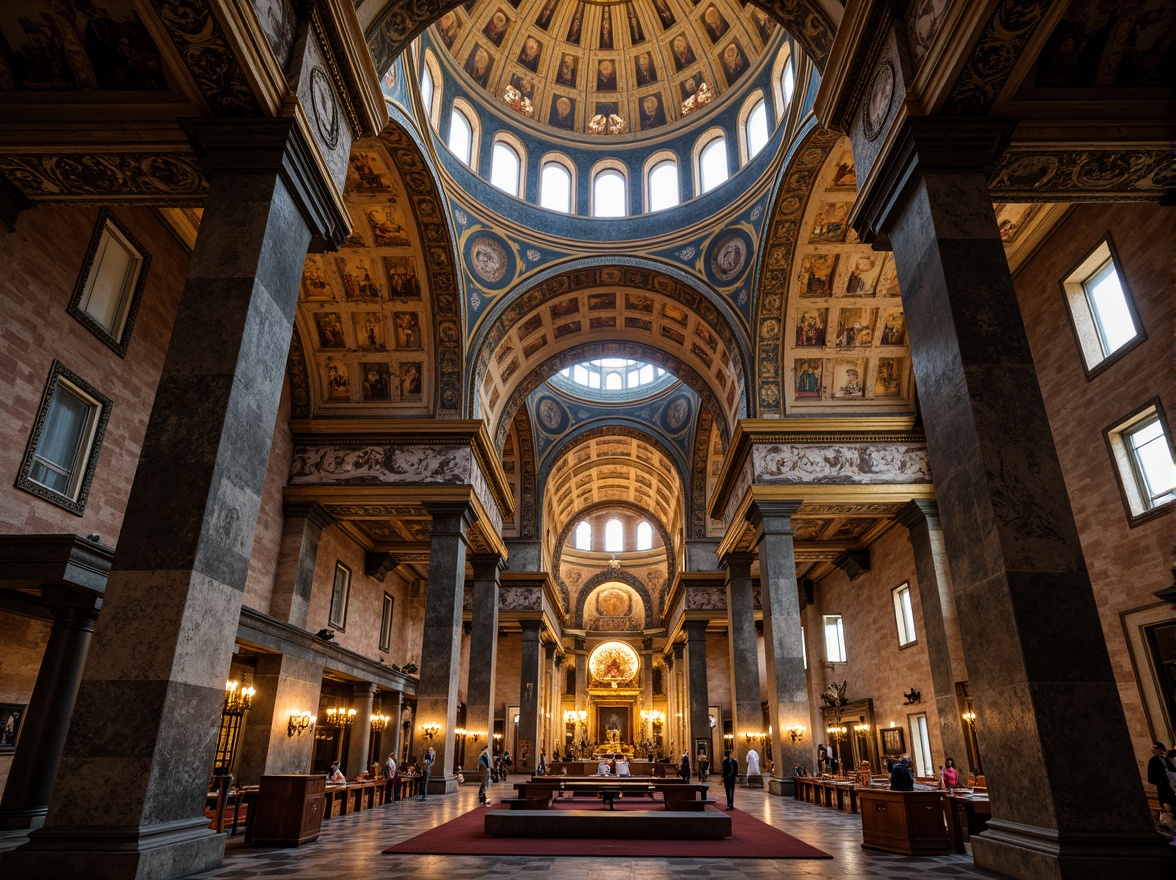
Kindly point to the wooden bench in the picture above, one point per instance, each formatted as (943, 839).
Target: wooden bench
(533, 802)
(604, 825)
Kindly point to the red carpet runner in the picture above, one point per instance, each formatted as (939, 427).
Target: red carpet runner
(750, 839)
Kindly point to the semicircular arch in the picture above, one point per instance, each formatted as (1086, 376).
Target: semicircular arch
(627, 506)
(606, 577)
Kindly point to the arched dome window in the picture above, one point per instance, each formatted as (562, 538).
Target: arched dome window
(712, 164)
(608, 194)
(788, 82)
(614, 536)
(505, 166)
(461, 136)
(663, 186)
(426, 89)
(555, 188)
(644, 536)
(756, 129)
(584, 536)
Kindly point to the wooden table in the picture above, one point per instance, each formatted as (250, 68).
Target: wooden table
(839, 794)
(909, 822)
(677, 795)
(967, 814)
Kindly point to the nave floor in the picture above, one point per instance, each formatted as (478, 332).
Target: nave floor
(350, 848)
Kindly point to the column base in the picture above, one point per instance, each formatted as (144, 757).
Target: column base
(1032, 853)
(442, 784)
(160, 852)
(756, 781)
(20, 820)
(782, 787)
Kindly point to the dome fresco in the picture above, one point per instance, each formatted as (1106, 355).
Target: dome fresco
(644, 61)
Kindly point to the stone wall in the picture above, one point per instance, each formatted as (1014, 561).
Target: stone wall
(1127, 565)
(41, 263)
(267, 539)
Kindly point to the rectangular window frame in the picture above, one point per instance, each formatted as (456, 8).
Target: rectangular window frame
(900, 615)
(337, 615)
(825, 618)
(386, 622)
(82, 472)
(1125, 467)
(921, 744)
(1087, 333)
(108, 232)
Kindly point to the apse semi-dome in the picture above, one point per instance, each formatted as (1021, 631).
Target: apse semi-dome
(606, 67)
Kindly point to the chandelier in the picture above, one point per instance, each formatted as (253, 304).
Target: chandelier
(380, 723)
(340, 717)
(237, 699)
(611, 124)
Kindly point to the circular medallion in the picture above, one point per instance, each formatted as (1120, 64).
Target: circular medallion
(728, 257)
(676, 414)
(488, 259)
(552, 416)
(614, 661)
(877, 106)
(326, 111)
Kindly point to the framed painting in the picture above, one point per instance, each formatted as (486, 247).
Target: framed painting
(893, 741)
(11, 716)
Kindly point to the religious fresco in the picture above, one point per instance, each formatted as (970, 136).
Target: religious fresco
(614, 607)
(636, 56)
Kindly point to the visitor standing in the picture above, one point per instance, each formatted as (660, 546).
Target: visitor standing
(483, 774)
(730, 768)
(684, 767)
(430, 757)
(703, 767)
(1158, 768)
(900, 776)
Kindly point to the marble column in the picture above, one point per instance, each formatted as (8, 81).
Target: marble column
(783, 654)
(359, 743)
(395, 728)
(148, 708)
(284, 684)
(681, 718)
(669, 742)
(38, 753)
(547, 712)
(941, 627)
(483, 654)
(699, 692)
(558, 727)
(301, 531)
(1039, 670)
(441, 639)
(646, 686)
(528, 729)
(581, 651)
(746, 715)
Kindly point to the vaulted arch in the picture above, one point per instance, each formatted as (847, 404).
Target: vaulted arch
(620, 576)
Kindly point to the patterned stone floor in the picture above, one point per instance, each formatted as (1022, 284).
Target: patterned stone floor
(350, 848)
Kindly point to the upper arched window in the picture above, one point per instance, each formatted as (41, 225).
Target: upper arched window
(505, 167)
(788, 82)
(756, 129)
(614, 536)
(663, 186)
(555, 188)
(584, 536)
(461, 136)
(608, 194)
(712, 164)
(426, 88)
(644, 536)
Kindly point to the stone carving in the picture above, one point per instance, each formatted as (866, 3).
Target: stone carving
(172, 177)
(488, 259)
(841, 463)
(324, 107)
(876, 109)
(313, 465)
(1000, 46)
(728, 257)
(1084, 174)
(201, 42)
(520, 598)
(706, 598)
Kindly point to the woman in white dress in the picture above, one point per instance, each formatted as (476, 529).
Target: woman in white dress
(753, 767)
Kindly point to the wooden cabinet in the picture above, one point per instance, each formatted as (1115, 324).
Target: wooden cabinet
(289, 810)
(910, 822)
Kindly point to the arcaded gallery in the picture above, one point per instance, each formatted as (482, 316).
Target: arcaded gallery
(653, 438)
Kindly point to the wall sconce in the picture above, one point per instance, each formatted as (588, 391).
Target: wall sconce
(459, 732)
(836, 732)
(340, 717)
(862, 729)
(380, 723)
(970, 717)
(728, 738)
(299, 721)
(497, 737)
(430, 730)
(582, 715)
(759, 734)
(570, 716)
(796, 731)
(237, 698)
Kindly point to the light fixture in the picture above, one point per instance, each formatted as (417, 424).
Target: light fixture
(380, 723)
(237, 699)
(430, 730)
(836, 732)
(970, 717)
(657, 717)
(583, 716)
(459, 731)
(796, 731)
(497, 737)
(861, 729)
(728, 738)
(570, 716)
(340, 717)
(516, 718)
(759, 734)
(298, 722)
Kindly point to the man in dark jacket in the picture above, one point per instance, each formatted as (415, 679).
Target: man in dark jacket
(730, 774)
(1157, 774)
(684, 767)
(900, 777)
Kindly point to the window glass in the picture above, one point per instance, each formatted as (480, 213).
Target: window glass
(803, 649)
(904, 615)
(504, 169)
(339, 595)
(555, 188)
(614, 536)
(712, 164)
(608, 194)
(57, 458)
(644, 536)
(788, 82)
(1108, 304)
(613, 382)
(663, 186)
(757, 129)
(427, 90)
(584, 536)
(921, 745)
(461, 136)
(386, 623)
(834, 639)
(1152, 459)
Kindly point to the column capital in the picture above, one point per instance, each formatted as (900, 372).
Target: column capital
(377, 565)
(364, 689)
(486, 566)
(451, 517)
(274, 146)
(695, 629)
(679, 650)
(531, 629)
(772, 517)
(919, 512)
(738, 565)
(854, 563)
(951, 143)
(559, 660)
(647, 645)
(308, 510)
(580, 643)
